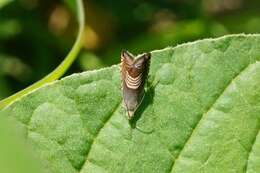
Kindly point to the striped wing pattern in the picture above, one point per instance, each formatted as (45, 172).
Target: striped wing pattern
(133, 82)
(134, 73)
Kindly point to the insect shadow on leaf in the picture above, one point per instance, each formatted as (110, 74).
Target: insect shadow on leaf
(147, 101)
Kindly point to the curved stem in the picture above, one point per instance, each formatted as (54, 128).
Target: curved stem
(62, 68)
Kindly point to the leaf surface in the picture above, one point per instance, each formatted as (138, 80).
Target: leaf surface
(202, 115)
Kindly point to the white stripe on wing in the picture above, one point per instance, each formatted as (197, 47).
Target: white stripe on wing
(133, 83)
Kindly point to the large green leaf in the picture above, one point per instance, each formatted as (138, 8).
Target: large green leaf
(15, 156)
(203, 115)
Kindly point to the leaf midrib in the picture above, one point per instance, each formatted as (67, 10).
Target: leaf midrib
(99, 130)
(250, 152)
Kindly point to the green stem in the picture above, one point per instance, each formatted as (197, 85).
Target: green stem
(62, 68)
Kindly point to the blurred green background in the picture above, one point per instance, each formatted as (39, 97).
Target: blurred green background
(35, 35)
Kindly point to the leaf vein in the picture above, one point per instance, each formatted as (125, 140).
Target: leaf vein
(203, 116)
(54, 141)
(252, 146)
(99, 130)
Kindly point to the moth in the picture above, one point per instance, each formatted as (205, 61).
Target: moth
(134, 73)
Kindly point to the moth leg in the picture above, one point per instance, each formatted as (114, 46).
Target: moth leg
(151, 82)
(144, 131)
(123, 109)
(127, 111)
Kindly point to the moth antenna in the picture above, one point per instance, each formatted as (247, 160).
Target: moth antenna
(121, 111)
(144, 131)
(152, 82)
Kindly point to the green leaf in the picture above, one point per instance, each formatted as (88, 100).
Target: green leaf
(203, 115)
(15, 156)
(62, 68)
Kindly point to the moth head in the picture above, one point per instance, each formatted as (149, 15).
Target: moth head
(134, 65)
(141, 61)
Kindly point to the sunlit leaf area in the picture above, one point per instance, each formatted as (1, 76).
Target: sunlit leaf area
(62, 107)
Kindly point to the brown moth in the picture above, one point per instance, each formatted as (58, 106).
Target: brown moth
(134, 71)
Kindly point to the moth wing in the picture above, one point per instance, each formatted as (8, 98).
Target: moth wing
(127, 57)
(143, 63)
